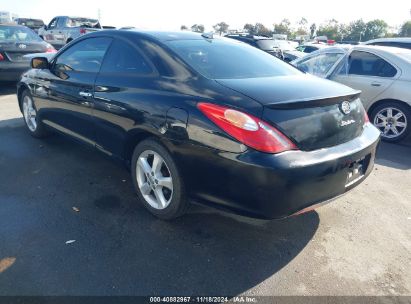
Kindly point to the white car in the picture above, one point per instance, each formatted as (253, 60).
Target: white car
(383, 74)
(400, 42)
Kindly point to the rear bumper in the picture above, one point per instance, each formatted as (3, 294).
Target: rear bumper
(275, 186)
(12, 71)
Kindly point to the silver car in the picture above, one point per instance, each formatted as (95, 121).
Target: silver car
(63, 29)
(383, 74)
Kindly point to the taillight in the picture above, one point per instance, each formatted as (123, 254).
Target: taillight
(50, 49)
(1, 57)
(82, 30)
(247, 129)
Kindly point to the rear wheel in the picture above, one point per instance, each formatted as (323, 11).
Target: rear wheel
(393, 120)
(34, 126)
(157, 180)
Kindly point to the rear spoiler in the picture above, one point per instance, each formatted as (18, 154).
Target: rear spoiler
(313, 102)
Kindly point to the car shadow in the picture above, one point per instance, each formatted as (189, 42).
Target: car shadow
(119, 248)
(7, 88)
(395, 155)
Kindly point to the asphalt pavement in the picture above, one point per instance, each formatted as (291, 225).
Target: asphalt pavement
(70, 224)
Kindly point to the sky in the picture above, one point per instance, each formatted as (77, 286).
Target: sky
(171, 14)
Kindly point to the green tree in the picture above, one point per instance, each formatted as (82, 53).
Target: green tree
(284, 27)
(356, 30)
(249, 28)
(330, 29)
(375, 29)
(257, 29)
(261, 30)
(183, 28)
(302, 27)
(221, 27)
(405, 30)
(198, 28)
(313, 29)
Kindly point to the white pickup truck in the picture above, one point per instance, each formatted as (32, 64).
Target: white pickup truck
(63, 29)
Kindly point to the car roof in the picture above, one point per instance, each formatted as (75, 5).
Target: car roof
(397, 39)
(11, 24)
(156, 35)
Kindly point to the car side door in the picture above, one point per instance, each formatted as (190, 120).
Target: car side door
(125, 96)
(367, 72)
(59, 32)
(64, 93)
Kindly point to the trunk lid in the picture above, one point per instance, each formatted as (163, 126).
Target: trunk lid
(307, 109)
(15, 51)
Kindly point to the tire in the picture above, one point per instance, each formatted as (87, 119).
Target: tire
(35, 127)
(163, 193)
(391, 118)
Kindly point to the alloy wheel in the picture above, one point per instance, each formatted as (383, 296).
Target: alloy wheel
(391, 121)
(29, 113)
(154, 179)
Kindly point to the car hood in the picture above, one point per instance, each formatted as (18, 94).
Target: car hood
(287, 89)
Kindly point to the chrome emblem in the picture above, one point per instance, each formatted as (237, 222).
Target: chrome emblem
(22, 46)
(345, 107)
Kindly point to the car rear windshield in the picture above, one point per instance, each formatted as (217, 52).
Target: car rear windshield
(75, 22)
(31, 22)
(17, 33)
(229, 59)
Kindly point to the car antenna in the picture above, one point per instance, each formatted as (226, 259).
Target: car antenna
(209, 35)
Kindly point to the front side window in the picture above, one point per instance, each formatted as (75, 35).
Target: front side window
(367, 64)
(321, 64)
(228, 59)
(124, 58)
(53, 23)
(84, 56)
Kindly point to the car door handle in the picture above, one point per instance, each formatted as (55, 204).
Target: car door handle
(376, 84)
(85, 94)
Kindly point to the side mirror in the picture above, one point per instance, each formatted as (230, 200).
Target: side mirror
(39, 63)
(45, 27)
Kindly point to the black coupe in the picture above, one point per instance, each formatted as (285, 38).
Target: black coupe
(205, 119)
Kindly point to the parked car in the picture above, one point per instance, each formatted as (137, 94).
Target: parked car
(206, 119)
(383, 74)
(311, 47)
(265, 44)
(396, 42)
(34, 24)
(63, 29)
(288, 50)
(15, 42)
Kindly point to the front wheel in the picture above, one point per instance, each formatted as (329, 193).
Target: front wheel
(393, 120)
(34, 126)
(157, 180)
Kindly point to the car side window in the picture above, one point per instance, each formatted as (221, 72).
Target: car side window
(61, 22)
(84, 56)
(321, 64)
(53, 23)
(124, 58)
(367, 64)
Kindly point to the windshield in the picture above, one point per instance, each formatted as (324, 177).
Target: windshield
(75, 22)
(229, 59)
(17, 33)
